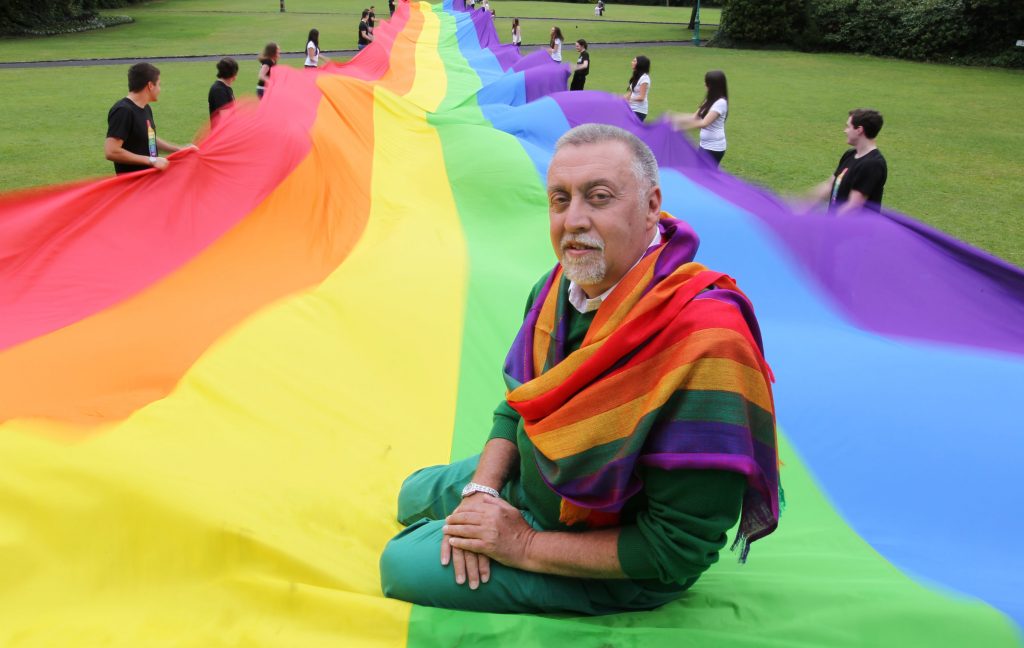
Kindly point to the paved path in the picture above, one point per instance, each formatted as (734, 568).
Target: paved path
(288, 55)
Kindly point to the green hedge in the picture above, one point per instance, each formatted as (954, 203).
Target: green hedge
(968, 31)
(55, 16)
(21, 16)
(763, 21)
(18, 16)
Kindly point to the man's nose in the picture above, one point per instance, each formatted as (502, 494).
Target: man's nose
(576, 217)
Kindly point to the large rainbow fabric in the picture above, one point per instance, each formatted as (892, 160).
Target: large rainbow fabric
(214, 379)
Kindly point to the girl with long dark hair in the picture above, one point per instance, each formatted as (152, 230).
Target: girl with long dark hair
(517, 33)
(639, 87)
(555, 45)
(710, 116)
(313, 55)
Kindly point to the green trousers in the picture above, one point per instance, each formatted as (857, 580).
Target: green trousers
(410, 567)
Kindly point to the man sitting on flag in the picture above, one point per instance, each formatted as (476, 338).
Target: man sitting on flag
(637, 428)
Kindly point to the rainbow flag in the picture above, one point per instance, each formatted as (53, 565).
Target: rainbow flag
(213, 379)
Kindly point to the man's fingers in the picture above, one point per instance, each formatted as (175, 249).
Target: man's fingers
(459, 563)
(446, 551)
(472, 570)
(463, 530)
(467, 544)
(484, 563)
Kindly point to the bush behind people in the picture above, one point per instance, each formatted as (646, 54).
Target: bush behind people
(45, 17)
(962, 31)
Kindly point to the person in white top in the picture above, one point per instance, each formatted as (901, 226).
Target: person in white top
(710, 116)
(639, 87)
(555, 45)
(313, 55)
(517, 33)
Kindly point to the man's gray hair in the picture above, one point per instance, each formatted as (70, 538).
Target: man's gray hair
(645, 167)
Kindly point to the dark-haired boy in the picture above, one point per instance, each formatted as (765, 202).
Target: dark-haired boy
(132, 144)
(859, 179)
(221, 93)
(365, 33)
(582, 67)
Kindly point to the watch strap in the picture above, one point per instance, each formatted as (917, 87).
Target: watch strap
(473, 487)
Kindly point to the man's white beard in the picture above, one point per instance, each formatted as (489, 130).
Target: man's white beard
(589, 270)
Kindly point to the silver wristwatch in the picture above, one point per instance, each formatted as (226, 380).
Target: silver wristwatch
(473, 487)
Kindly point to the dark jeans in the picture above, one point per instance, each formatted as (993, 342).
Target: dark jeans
(640, 116)
(715, 155)
(577, 82)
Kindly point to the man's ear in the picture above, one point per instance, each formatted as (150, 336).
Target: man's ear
(653, 205)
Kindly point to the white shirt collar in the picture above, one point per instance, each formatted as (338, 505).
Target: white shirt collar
(584, 304)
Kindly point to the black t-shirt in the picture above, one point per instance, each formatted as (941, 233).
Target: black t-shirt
(866, 175)
(136, 128)
(363, 29)
(221, 95)
(584, 56)
(270, 68)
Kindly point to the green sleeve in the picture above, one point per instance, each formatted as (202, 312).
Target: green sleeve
(506, 422)
(506, 419)
(684, 527)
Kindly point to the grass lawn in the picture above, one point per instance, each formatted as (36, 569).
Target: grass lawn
(952, 135)
(194, 27)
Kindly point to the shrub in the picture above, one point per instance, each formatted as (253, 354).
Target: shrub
(17, 16)
(48, 17)
(969, 31)
(912, 29)
(761, 22)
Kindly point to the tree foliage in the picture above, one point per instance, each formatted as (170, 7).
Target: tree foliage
(51, 16)
(761, 21)
(980, 31)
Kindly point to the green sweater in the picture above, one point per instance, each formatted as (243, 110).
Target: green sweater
(672, 530)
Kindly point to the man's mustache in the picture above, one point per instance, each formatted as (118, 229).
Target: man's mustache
(582, 240)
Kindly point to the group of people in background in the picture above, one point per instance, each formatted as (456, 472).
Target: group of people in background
(858, 181)
(485, 6)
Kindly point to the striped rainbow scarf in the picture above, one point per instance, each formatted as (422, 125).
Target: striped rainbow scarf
(670, 374)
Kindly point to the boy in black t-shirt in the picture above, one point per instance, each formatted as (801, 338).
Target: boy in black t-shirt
(221, 93)
(582, 67)
(132, 144)
(365, 35)
(859, 179)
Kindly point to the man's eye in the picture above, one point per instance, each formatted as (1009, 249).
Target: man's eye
(600, 196)
(558, 199)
